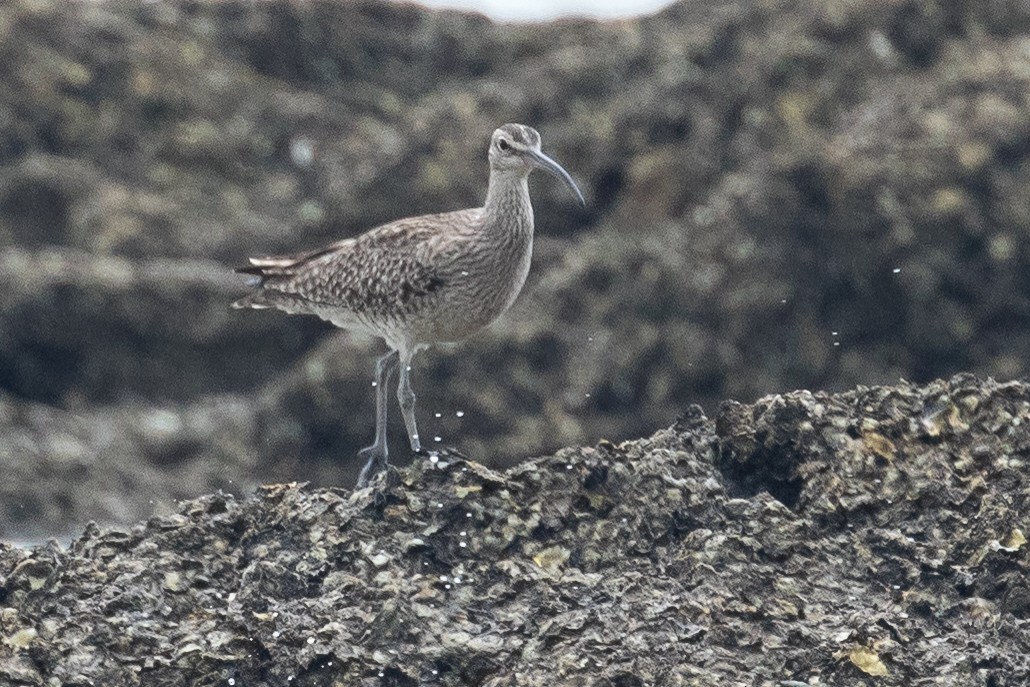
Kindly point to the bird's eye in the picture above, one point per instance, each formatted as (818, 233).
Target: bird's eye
(502, 144)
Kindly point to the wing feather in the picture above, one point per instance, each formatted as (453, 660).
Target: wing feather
(379, 272)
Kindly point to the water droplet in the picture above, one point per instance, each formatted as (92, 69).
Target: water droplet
(311, 640)
(433, 458)
(374, 384)
(569, 466)
(437, 415)
(407, 368)
(435, 672)
(468, 515)
(232, 681)
(443, 578)
(462, 544)
(590, 338)
(833, 333)
(439, 505)
(437, 439)
(836, 343)
(464, 533)
(457, 580)
(897, 270)
(460, 413)
(275, 634)
(447, 586)
(464, 273)
(586, 395)
(380, 673)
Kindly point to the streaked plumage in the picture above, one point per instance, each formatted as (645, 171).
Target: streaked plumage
(419, 280)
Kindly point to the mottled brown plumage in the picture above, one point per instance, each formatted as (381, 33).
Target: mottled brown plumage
(419, 280)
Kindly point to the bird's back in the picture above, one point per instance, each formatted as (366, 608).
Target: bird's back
(380, 281)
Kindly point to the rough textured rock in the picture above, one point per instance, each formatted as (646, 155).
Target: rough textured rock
(870, 537)
(788, 194)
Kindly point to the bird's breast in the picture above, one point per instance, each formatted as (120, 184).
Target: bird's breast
(481, 284)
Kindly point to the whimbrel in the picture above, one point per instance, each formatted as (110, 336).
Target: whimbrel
(419, 280)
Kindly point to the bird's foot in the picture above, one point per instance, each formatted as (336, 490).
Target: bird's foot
(375, 462)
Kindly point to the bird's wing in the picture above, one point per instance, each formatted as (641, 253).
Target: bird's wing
(385, 267)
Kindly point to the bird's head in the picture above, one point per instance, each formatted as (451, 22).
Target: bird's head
(515, 148)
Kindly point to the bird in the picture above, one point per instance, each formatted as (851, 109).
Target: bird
(418, 281)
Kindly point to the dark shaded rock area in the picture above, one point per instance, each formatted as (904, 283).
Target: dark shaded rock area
(893, 554)
(789, 194)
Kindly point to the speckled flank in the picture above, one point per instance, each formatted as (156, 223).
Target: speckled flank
(420, 280)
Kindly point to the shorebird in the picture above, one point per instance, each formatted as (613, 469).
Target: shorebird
(418, 281)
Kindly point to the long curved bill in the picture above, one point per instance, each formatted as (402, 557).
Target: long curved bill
(546, 163)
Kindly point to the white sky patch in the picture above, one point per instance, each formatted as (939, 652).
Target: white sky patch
(541, 10)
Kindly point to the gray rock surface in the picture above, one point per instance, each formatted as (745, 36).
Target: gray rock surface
(893, 553)
(760, 176)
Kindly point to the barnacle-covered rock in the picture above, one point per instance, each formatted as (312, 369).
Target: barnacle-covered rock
(663, 560)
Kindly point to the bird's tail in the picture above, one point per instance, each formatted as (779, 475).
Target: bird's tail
(267, 272)
(286, 265)
(260, 300)
(264, 268)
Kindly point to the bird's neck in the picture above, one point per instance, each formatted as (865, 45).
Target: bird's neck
(507, 202)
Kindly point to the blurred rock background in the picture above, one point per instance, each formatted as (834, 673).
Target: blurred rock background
(783, 194)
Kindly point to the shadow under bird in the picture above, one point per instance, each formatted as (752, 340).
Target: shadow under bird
(419, 280)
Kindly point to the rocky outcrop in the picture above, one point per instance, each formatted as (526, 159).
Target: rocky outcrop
(789, 195)
(869, 537)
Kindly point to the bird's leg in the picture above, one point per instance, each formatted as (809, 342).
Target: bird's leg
(375, 456)
(406, 398)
